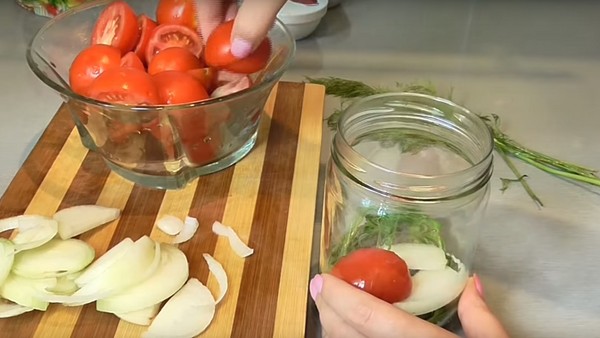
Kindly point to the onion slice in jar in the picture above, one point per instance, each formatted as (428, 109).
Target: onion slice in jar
(26, 292)
(190, 226)
(7, 255)
(239, 247)
(34, 231)
(75, 220)
(187, 314)
(10, 309)
(140, 317)
(104, 262)
(421, 256)
(170, 225)
(220, 275)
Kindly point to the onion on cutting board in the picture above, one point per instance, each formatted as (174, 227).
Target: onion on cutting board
(33, 231)
(26, 291)
(75, 220)
(10, 309)
(140, 317)
(7, 255)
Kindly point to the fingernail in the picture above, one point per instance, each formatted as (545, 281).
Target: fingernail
(316, 284)
(478, 285)
(241, 48)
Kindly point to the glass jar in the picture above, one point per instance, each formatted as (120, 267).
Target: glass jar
(409, 173)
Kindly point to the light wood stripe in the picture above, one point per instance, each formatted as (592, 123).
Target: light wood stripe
(238, 214)
(293, 283)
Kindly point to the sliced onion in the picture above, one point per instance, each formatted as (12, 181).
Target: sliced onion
(34, 231)
(140, 317)
(217, 270)
(138, 263)
(433, 289)
(25, 291)
(104, 262)
(170, 224)
(21, 222)
(53, 259)
(170, 276)
(231, 87)
(239, 247)
(187, 314)
(190, 226)
(9, 309)
(7, 255)
(65, 285)
(78, 219)
(421, 256)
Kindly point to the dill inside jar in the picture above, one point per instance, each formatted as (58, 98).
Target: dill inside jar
(408, 174)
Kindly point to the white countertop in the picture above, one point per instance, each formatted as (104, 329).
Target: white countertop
(535, 63)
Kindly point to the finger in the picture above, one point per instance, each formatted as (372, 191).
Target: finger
(252, 23)
(332, 324)
(231, 11)
(371, 316)
(476, 318)
(210, 13)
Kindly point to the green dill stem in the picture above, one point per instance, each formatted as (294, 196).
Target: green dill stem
(518, 175)
(576, 177)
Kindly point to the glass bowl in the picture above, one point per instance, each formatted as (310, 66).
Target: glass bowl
(162, 147)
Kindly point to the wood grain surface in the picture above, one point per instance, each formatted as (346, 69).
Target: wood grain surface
(268, 198)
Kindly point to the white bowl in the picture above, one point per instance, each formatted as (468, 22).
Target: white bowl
(300, 19)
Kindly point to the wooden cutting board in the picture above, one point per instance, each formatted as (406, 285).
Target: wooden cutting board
(268, 198)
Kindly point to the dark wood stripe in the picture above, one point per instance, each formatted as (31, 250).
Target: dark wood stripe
(137, 220)
(87, 183)
(255, 317)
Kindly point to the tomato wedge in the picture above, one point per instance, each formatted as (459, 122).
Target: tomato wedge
(173, 58)
(146, 26)
(180, 12)
(133, 61)
(175, 87)
(207, 77)
(168, 35)
(217, 52)
(124, 86)
(90, 63)
(117, 26)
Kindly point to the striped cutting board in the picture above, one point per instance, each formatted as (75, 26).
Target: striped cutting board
(268, 198)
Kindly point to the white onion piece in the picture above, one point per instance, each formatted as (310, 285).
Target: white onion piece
(64, 286)
(25, 291)
(434, 289)
(140, 317)
(104, 262)
(34, 231)
(421, 256)
(170, 224)
(53, 259)
(9, 309)
(7, 255)
(217, 270)
(190, 226)
(170, 276)
(78, 219)
(138, 263)
(232, 87)
(186, 314)
(239, 247)
(21, 222)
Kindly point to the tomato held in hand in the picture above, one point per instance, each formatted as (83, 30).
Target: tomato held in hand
(377, 271)
(124, 86)
(173, 58)
(167, 35)
(117, 26)
(217, 52)
(90, 63)
(146, 26)
(180, 12)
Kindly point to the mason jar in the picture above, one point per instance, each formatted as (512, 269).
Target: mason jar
(409, 173)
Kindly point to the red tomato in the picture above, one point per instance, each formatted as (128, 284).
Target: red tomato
(124, 86)
(173, 58)
(377, 271)
(117, 26)
(90, 63)
(180, 12)
(207, 77)
(131, 60)
(175, 87)
(146, 26)
(167, 35)
(218, 52)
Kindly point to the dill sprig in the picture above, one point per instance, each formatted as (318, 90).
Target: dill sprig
(507, 148)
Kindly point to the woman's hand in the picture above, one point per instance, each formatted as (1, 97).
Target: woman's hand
(253, 19)
(348, 312)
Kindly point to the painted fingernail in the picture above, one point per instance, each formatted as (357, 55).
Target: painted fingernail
(478, 285)
(241, 48)
(316, 284)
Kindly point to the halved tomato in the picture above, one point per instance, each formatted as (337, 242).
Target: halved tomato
(90, 63)
(173, 58)
(207, 77)
(133, 61)
(175, 87)
(145, 26)
(117, 26)
(168, 35)
(124, 86)
(180, 12)
(218, 52)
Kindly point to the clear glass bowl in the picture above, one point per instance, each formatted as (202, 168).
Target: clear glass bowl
(158, 153)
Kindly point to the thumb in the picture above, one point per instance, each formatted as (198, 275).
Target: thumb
(253, 21)
(476, 318)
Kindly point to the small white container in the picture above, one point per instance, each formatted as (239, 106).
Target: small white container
(302, 19)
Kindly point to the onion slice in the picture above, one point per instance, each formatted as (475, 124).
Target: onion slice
(7, 255)
(221, 276)
(9, 309)
(190, 226)
(104, 262)
(78, 219)
(421, 256)
(187, 314)
(26, 292)
(140, 317)
(34, 231)
(170, 225)
(239, 247)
